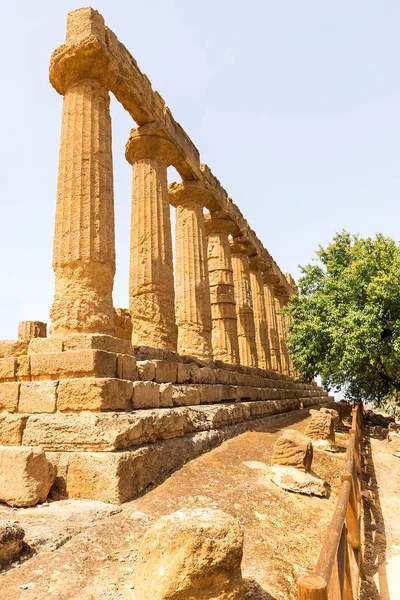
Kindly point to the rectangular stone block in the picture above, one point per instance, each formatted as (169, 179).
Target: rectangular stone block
(202, 375)
(9, 394)
(81, 363)
(183, 373)
(10, 348)
(11, 429)
(27, 330)
(38, 397)
(126, 367)
(166, 371)
(166, 395)
(146, 370)
(24, 368)
(45, 346)
(97, 341)
(146, 394)
(185, 395)
(8, 369)
(93, 394)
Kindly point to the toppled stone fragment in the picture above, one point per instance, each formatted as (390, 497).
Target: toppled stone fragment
(334, 414)
(26, 475)
(192, 553)
(321, 430)
(293, 480)
(293, 449)
(11, 541)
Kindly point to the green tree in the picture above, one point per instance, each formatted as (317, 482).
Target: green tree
(345, 323)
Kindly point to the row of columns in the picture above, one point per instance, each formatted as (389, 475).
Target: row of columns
(220, 307)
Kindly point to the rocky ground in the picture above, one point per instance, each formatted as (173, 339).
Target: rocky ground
(85, 549)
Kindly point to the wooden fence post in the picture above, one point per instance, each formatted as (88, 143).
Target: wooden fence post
(312, 587)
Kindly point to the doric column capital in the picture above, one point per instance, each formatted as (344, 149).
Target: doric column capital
(219, 222)
(239, 246)
(256, 263)
(151, 141)
(187, 192)
(89, 59)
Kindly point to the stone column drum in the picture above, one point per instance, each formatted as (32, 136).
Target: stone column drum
(272, 326)
(260, 315)
(244, 305)
(84, 244)
(223, 310)
(192, 288)
(151, 279)
(279, 304)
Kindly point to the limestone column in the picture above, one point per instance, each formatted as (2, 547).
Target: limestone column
(223, 311)
(244, 305)
(192, 288)
(260, 315)
(84, 244)
(279, 304)
(151, 279)
(272, 326)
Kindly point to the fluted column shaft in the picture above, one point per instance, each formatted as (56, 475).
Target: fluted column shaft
(223, 310)
(151, 279)
(84, 239)
(279, 304)
(244, 306)
(192, 288)
(272, 325)
(260, 315)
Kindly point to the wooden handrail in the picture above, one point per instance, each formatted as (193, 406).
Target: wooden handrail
(338, 570)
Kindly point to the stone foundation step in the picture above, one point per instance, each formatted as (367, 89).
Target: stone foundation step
(105, 394)
(105, 432)
(116, 477)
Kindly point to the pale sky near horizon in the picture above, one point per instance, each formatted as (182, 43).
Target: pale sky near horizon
(294, 106)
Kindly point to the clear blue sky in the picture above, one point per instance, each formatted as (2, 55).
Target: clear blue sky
(294, 106)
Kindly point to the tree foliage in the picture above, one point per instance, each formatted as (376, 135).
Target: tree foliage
(345, 323)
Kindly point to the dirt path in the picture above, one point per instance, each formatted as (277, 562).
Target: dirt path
(283, 531)
(381, 500)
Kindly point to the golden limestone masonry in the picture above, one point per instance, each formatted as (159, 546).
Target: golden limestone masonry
(116, 398)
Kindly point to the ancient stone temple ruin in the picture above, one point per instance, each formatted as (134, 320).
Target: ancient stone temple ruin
(116, 399)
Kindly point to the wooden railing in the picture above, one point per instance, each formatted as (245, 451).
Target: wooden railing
(339, 567)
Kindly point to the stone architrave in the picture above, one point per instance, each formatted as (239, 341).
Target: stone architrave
(151, 279)
(191, 553)
(260, 315)
(192, 287)
(244, 304)
(223, 309)
(279, 304)
(83, 70)
(272, 324)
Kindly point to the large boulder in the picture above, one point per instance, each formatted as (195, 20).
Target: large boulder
(192, 553)
(26, 475)
(321, 430)
(293, 480)
(378, 419)
(335, 414)
(293, 449)
(11, 541)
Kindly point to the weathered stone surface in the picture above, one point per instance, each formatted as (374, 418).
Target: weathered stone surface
(166, 395)
(146, 394)
(45, 346)
(166, 371)
(93, 394)
(293, 480)
(123, 324)
(27, 330)
(11, 542)
(11, 429)
(183, 373)
(38, 397)
(80, 363)
(24, 368)
(146, 370)
(185, 395)
(260, 314)
(192, 553)
(9, 394)
(334, 414)
(8, 369)
(293, 449)
(9, 348)
(378, 419)
(26, 476)
(126, 367)
(96, 341)
(393, 439)
(320, 426)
